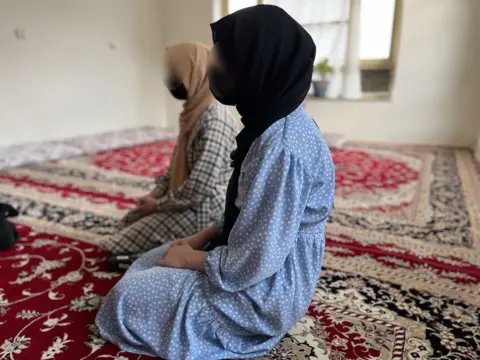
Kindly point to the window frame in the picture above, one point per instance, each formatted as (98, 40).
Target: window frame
(366, 64)
(391, 62)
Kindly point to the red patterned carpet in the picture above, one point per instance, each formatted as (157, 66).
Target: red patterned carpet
(402, 267)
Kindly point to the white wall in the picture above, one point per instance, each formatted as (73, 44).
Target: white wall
(64, 79)
(435, 99)
(477, 149)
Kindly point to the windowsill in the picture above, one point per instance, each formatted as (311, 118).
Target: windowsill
(366, 97)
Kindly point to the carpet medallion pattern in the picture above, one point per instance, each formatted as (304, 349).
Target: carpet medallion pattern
(401, 277)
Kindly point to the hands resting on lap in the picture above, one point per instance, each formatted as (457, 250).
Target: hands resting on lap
(146, 205)
(186, 253)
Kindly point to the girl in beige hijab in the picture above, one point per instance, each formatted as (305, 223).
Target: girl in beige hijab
(192, 193)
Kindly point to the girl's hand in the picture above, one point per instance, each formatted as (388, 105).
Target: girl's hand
(181, 255)
(146, 205)
(197, 241)
(177, 255)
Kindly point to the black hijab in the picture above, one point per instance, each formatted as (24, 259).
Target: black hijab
(271, 57)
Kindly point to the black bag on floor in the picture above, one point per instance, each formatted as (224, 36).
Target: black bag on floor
(8, 233)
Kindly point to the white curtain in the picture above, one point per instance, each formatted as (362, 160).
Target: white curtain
(235, 5)
(216, 10)
(327, 22)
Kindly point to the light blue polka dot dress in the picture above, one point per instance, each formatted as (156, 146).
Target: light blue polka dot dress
(256, 288)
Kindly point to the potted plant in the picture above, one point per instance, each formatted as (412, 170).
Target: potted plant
(324, 70)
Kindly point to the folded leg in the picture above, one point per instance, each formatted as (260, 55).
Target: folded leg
(151, 231)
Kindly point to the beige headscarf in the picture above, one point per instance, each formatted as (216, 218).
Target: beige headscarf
(188, 61)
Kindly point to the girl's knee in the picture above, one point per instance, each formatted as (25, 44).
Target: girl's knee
(124, 292)
(149, 259)
(114, 244)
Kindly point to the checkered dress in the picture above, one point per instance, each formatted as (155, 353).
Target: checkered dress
(198, 202)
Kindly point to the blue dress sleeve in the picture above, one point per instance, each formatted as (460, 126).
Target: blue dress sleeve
(273, 191)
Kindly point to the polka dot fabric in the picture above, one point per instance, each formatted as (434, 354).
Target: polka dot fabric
(256, 288)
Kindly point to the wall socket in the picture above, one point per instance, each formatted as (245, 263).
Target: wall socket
(19, 34)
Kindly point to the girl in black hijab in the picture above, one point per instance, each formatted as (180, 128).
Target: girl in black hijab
(256, 278)
(264, 66)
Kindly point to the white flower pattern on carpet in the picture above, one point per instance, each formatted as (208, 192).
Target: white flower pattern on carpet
(14, 347)
(58, 346)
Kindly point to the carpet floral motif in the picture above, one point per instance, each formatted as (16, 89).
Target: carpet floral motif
(401, 276)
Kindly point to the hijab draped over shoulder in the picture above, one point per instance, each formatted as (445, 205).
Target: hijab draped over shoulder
(188, 62)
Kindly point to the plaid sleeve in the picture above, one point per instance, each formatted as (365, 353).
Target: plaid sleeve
(161, 184)
(211, 147)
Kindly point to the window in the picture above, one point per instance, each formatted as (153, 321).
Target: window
(379, 33)
(327, 23)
